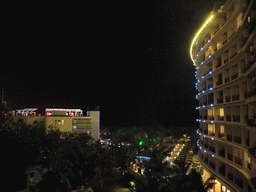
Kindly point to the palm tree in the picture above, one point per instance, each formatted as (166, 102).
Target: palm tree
(191, 182)
(156, 170)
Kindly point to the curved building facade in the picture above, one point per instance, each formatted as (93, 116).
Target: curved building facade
(224, 54)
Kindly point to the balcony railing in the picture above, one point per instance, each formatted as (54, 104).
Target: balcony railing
(220, 100)
(229, 137)
(210, 117)
(222, 152)
(228, 98)
(239, 182)
(232, 56)
(230, 157)
(212, 165)
(237, 160)
(222, 170)
(247, 142)
(234, 76)
(249, 65)
(249, 166)
(219, 83)
(252, 151)
(230, 176)
(218, 65)
(235, 97)
(212, 149)
(237, 139)
(211, 133)
(221, 135)
(251, 122)
(236, 118)
(250, 94)
(220, 118)
(226, 60)
(227, 79)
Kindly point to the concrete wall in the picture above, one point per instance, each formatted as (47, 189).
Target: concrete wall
(63, 123)
(95, 126)
(29, 120)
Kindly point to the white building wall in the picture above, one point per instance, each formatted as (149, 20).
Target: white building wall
(91, 123)
(63, 123)
(95, 125)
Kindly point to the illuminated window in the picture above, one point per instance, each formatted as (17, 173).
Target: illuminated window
(57, 122)
(222, 129)
(222, 112)
(62, 122)
(249, 19)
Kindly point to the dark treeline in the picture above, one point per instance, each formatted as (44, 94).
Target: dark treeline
(65, 162)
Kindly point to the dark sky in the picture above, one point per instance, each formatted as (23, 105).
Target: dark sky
(130, 59)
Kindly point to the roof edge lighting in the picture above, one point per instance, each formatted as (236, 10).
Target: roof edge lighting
(197, 34)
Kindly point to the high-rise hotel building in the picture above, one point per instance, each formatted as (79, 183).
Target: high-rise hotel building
(224, 54)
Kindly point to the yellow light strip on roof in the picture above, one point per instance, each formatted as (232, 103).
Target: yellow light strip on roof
(196, 36)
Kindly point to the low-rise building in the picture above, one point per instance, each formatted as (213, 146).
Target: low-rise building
(66, 120)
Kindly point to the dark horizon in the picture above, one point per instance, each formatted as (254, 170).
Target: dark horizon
(131, 62)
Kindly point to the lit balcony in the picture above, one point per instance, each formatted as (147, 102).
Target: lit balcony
(221, 135)
(220, 118)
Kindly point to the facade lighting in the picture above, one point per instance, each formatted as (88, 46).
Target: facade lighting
(197, 35)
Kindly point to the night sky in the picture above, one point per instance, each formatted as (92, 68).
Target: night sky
(130, 59)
